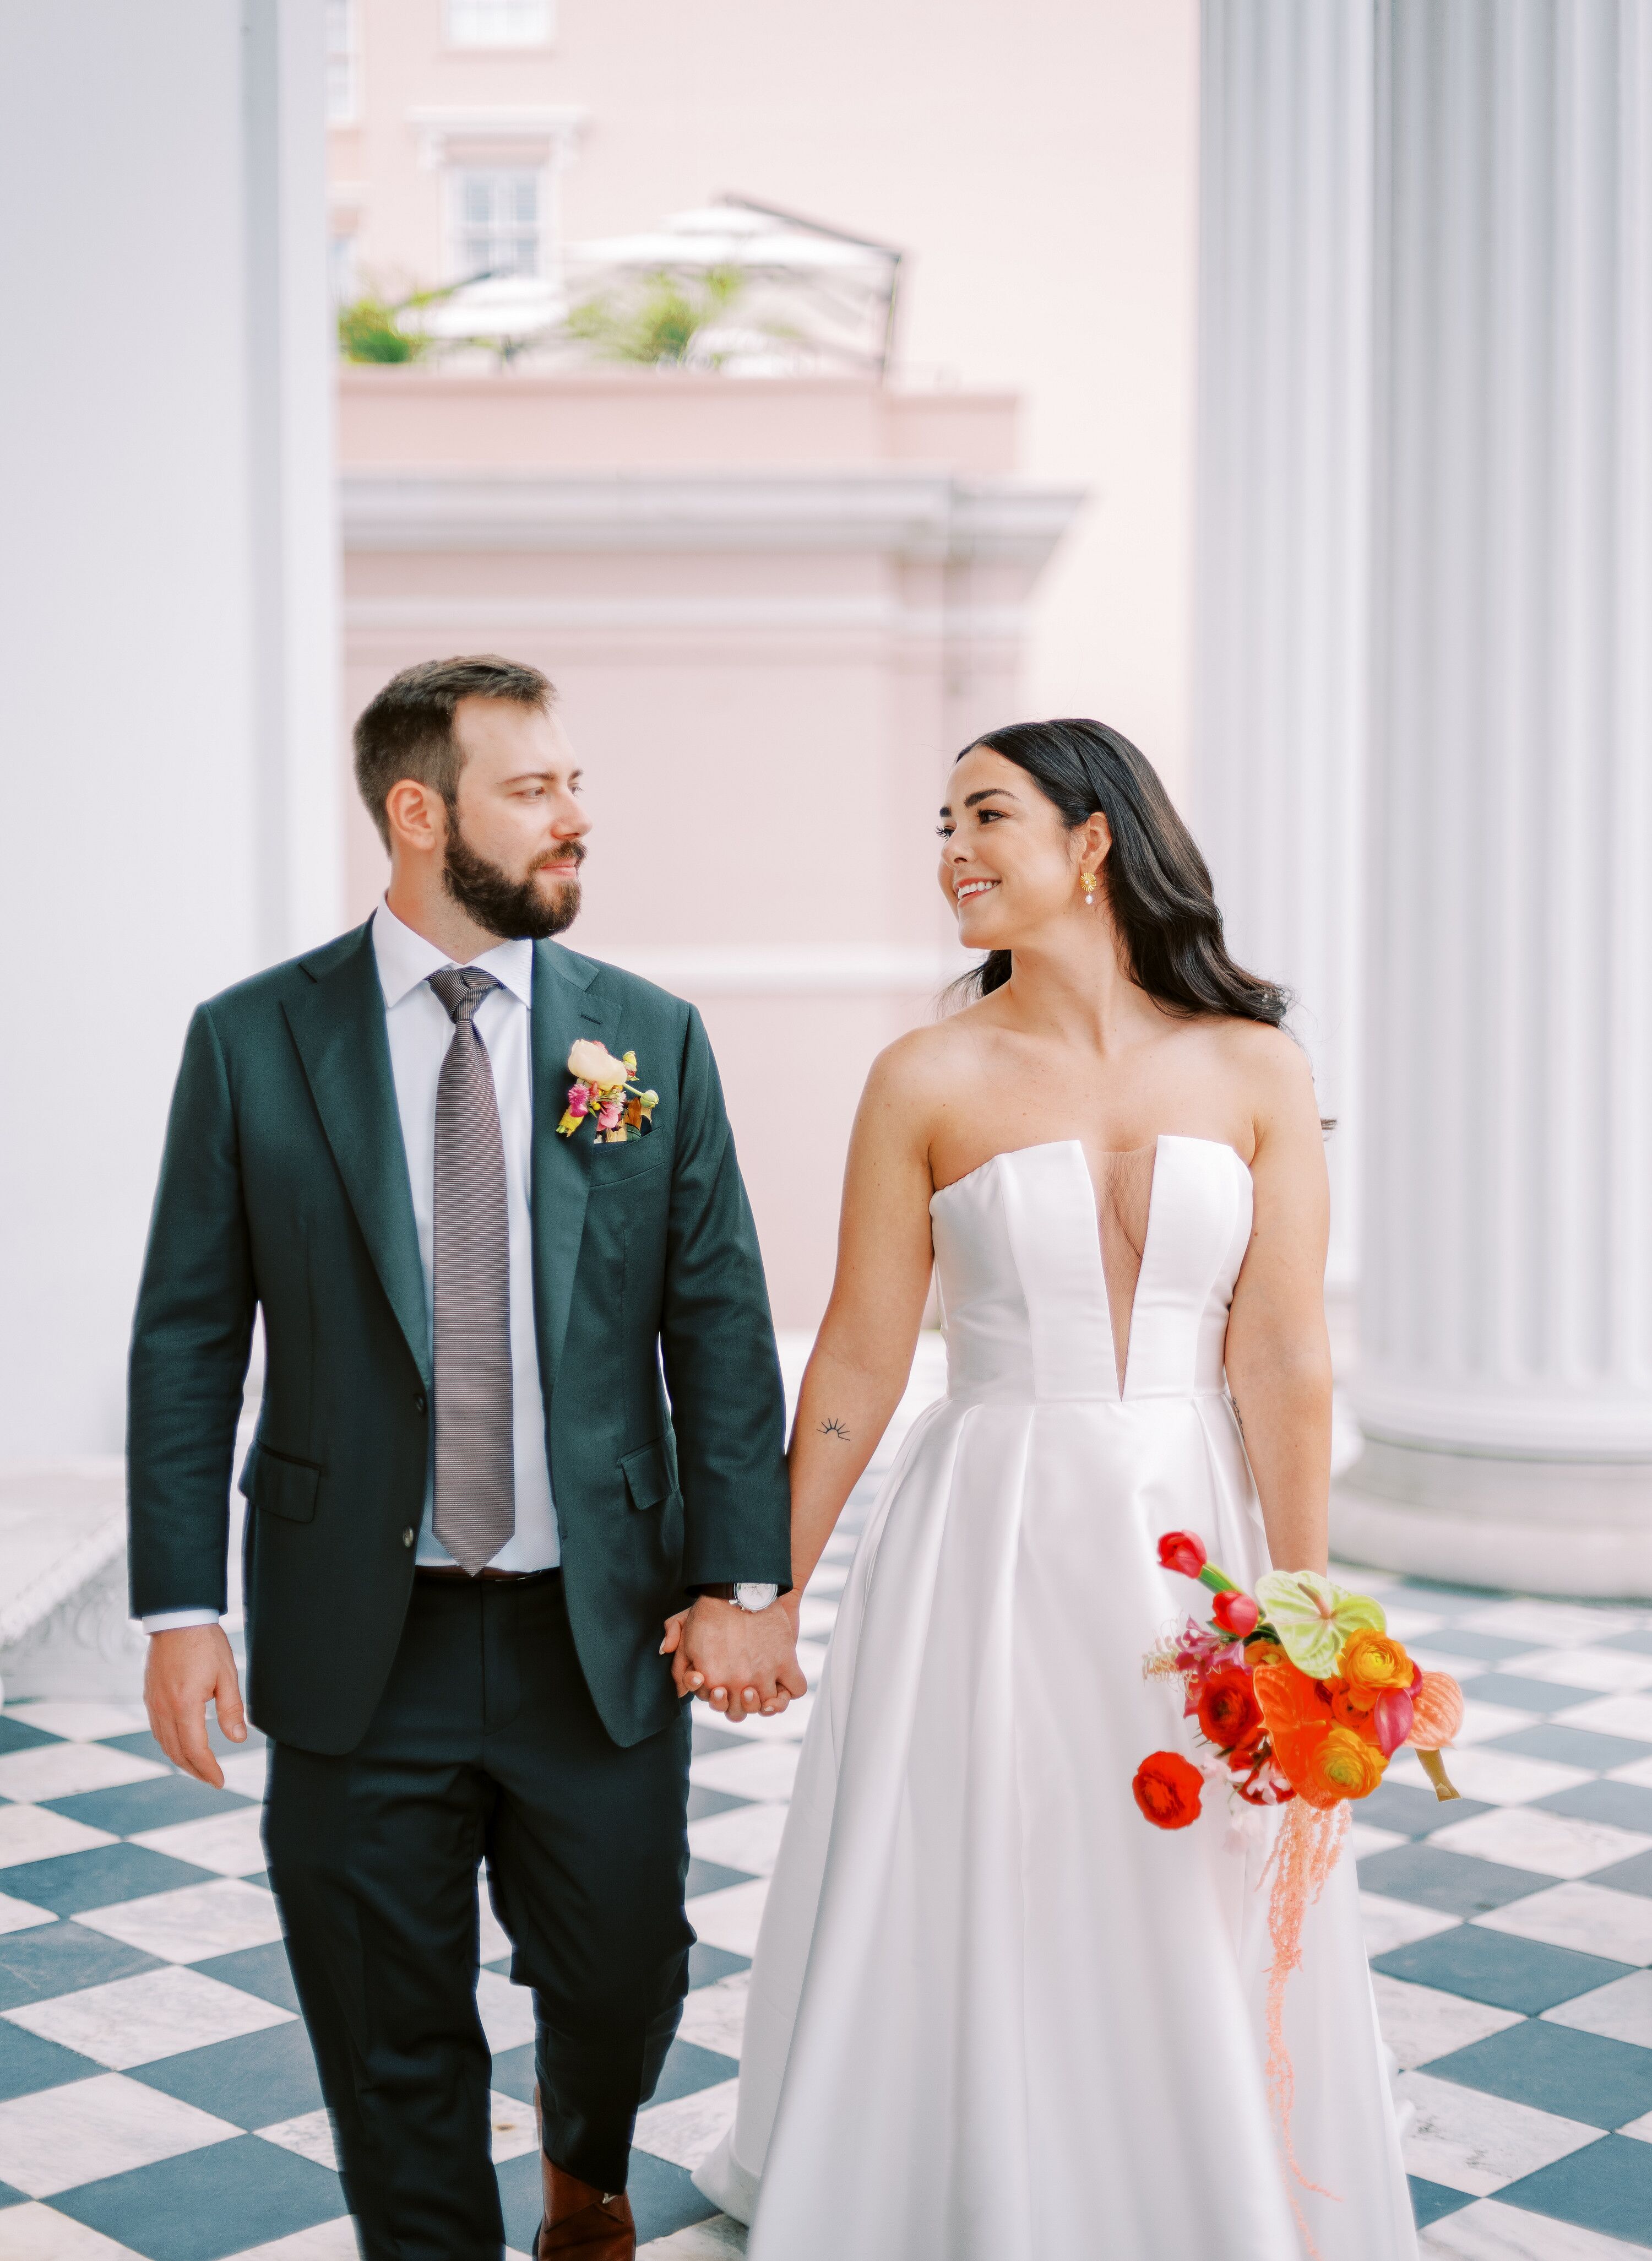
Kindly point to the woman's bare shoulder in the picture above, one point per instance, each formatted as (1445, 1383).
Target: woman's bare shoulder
(1270, 1069)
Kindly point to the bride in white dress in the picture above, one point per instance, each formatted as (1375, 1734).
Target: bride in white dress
(994, 2015)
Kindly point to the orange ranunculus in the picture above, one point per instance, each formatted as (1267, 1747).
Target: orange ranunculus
(1167, 1789)
(1228, 1712)
(1374, 1660)
(1343, 1764)
(1353, 1707)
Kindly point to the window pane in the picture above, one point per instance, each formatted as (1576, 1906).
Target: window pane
(498, 23)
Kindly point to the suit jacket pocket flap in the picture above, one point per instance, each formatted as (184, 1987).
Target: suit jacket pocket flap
(283, 1487)
(650, 1473)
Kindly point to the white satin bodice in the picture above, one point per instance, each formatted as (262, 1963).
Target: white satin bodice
(1024, 1296)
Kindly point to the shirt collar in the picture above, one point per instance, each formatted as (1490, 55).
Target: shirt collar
(405, 959)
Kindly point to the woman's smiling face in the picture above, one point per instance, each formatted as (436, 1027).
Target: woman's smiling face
(1008, 863)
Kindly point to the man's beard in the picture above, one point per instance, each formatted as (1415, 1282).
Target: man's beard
(515, 909)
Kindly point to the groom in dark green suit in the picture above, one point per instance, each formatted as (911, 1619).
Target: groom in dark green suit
(521, 1404)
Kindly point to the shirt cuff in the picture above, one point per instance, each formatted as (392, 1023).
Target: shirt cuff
(170, 1620)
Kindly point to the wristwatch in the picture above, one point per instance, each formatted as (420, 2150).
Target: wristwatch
(746, 1594)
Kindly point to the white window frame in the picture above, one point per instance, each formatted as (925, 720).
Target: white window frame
(460, 261)
(343, 62)
(490, 24)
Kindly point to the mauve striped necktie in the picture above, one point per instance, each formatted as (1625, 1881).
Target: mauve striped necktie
(476, 1468)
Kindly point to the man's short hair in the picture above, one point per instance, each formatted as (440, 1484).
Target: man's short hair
(407, 731)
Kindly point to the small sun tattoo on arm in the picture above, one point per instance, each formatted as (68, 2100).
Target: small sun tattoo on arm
(835, 1428)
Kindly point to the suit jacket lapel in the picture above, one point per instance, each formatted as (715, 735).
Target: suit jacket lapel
(339, 1028)
(563, 1011)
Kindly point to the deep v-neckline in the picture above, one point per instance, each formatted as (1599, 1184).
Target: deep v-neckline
(1122, 1371)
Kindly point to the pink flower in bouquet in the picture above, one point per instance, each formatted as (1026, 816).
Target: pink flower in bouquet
(1236, 1614)
(1182, 1551)
(608, 1116)
(1393, 1717)
(578, 1101)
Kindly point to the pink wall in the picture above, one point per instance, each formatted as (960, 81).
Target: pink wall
(774, 611)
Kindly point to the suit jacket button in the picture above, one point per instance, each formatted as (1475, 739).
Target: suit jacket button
(419, 1401)
(407, 1537)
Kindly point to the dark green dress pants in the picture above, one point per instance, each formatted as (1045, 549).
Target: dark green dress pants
(485, 1745)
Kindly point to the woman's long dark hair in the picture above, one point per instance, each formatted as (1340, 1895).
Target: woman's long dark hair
(1157, 884)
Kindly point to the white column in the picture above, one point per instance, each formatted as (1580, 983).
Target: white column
(1506, 1385)
(173, 806)
(1283, 328)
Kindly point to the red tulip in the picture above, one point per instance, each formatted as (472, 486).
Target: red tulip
(1182, 1551)
(1236, 1614)
(1392, 1719)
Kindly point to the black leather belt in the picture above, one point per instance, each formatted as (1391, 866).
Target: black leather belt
(494, 1577)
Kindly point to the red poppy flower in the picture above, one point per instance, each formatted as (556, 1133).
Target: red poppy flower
(1228, 1712)
(1167, 1789)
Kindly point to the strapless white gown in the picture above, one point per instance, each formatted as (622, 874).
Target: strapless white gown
(994, 2015)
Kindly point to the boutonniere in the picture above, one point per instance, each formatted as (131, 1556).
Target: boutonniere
(603, 1087)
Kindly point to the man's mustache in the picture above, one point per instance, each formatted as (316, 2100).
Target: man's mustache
(569, 861)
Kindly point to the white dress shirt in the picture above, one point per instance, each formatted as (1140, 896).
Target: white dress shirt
(419, 1032)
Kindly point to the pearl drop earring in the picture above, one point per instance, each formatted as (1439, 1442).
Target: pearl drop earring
(1088, 882)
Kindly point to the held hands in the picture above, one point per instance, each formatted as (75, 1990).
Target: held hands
(185, 1667)
(739, 1662)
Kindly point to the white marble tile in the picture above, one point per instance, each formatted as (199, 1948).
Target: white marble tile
(40, 2233)
(828, 1581)
(1553, 1844)
(228, 1843)
(1611, 1671)
(1548, 1625)
(138, 2020)
(65, 1770)
(1462, 1668)
(1358, 1580)
(244, 1773)
(714, 2017)
(1420, 2023)
(22, 1915)
(1473, 2141)
(1363, 1839)
(506, 2011)
(1483, 1722)
(719, 2239)
(1496, 1777)
(512, 2130)
(787, 1726)
(494, 1940)
(729, 1918)
(812, 1656)
(310, 2135)
(327, 2241)
(1622, 2011)
(1621, 1714)
(57, 2138)
(744, 1837)
(33, 1833)
(816, 1618)
(193, 1922)
(686, 2130)
(81, 1723)
(763, 1770)
(1489, 2231)
(1404, 1622)
(1388, 1924)
(1588, 1918)
(1641, 2128)
(1637, 1770)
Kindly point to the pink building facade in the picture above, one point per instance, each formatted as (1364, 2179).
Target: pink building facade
(774, 611)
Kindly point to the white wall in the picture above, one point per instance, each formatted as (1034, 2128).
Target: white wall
(165, 602)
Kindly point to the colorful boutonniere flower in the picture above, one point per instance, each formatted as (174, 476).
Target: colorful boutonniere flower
(603, 1090)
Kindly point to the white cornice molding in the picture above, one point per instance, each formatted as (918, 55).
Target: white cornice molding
(923, 515)
(788, 970)
(831, 615)
(557, 124)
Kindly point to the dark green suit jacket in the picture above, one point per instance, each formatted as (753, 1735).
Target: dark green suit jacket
(284, 1185)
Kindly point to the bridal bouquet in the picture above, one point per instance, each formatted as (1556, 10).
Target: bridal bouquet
(1302, 1697)
(1299, 1690)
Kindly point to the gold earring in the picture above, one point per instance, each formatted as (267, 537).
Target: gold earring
(1088, 882)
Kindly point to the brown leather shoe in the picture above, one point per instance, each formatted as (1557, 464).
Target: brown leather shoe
(580, 2220)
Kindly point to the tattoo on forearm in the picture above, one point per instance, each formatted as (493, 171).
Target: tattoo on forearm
(834, 1427)
(1238, 1416)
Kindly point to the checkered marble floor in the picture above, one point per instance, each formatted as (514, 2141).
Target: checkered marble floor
(157, 2095)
